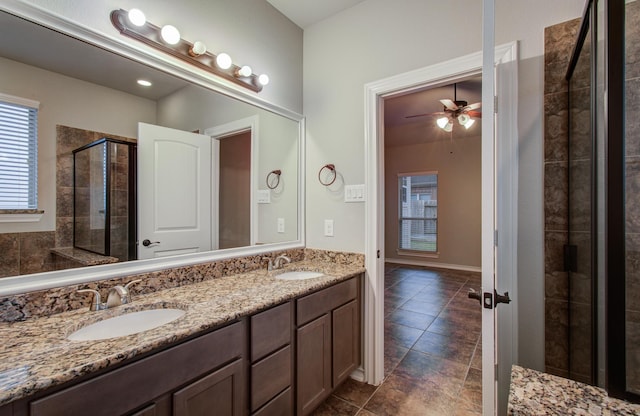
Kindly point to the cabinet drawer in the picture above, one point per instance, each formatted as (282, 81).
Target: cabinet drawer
(282, 405)
(325, 300)
(270, 331)
(126, 388)
(270, 376)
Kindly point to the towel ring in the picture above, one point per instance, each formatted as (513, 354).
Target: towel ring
(270, 181)
(330, 167)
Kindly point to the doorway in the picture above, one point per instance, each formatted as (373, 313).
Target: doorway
(234, 221)
(499, 208)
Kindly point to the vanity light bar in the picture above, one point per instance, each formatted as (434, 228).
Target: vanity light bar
(150, 34)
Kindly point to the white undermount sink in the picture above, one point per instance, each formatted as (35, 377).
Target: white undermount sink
(127, 324)
(298, 275)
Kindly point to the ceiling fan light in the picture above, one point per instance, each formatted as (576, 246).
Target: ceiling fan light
(448, 127)
(463, 119)
(442, 122)
(469, 123)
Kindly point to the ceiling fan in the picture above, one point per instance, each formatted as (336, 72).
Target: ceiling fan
(455, 109)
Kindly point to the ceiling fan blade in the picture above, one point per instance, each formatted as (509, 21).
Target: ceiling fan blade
(426, 114)
(473, 113)
(473, 106)
(449, 104)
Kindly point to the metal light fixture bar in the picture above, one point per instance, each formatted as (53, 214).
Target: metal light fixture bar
(149, 34)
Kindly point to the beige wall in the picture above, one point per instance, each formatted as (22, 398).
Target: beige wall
(69, 102)
(235, 191)
(379, 38)
(459, 196)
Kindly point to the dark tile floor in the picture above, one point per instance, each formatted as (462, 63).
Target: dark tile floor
(432, 357)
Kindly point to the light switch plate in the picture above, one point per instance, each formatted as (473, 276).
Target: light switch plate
(281, 225)
(354, 193)
(328, 228)
(264, 196)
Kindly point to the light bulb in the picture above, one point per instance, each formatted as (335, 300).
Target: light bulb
(223, 61)
(448, 127)
(469, 123)
(245, 71)
(263, 79)
(144, 82)
(197, 49)
(442, 121)
(170, 34)
(463, 119)
(136, 17)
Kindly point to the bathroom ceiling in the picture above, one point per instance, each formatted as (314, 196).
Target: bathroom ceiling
(35, 45)
(305, 13)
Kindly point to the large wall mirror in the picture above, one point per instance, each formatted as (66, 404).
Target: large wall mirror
(219, 172)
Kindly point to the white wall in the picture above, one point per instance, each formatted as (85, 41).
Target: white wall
(195, 108)
(251, 31)
(69, 102)
(377, 39)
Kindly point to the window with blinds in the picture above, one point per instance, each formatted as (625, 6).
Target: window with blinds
(418, 212)
(18, 153)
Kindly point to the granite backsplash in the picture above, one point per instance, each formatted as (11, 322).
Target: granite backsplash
(63, 299)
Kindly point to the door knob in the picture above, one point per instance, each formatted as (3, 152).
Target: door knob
(146, 242)
(475, 295)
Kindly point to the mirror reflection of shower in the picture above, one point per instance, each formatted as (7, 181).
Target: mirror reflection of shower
(104, 206)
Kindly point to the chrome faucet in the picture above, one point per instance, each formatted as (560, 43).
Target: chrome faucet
(277, 262)
(118, 295)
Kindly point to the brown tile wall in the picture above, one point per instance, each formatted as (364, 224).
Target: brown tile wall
(25, 253)
(632, 149)
(559, 40)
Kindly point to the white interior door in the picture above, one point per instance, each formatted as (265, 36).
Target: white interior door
(499, 217)
(174, 192)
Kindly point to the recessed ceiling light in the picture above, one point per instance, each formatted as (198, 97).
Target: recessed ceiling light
(144, 82)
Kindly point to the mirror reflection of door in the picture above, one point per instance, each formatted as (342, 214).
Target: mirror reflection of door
(174, 192)
(234, 190)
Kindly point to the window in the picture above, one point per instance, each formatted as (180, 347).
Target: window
(18, 153)
(418, 212)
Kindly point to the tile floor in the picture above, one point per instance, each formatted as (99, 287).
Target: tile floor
(432, 349)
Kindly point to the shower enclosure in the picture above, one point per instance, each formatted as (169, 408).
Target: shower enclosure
(602, 251)
(104, 198)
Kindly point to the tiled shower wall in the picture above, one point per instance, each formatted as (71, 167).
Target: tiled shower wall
(25, 253)
(632, 163)
(559, 41)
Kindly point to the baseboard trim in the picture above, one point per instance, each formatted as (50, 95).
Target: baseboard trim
(432, 264)
(358, 374)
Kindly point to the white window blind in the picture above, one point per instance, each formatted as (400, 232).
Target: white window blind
(18, 153)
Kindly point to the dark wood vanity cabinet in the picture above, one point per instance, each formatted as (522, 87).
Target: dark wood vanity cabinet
(272, 361)
(192, 378)
(282, 361)
(327, 342)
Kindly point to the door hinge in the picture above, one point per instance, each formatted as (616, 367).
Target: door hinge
(495, 238)
(495, 372)
(495, 104)
(378, 253)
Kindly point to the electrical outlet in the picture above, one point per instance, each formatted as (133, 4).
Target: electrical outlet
(281, 225)
(328, 228)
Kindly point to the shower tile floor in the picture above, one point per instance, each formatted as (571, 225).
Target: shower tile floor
(432, 351)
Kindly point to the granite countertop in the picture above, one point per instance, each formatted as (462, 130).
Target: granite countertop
(36, 355)
(536, 393)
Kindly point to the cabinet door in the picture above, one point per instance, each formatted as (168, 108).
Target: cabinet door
(221, 393)
(313, 360)
(346, 341)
